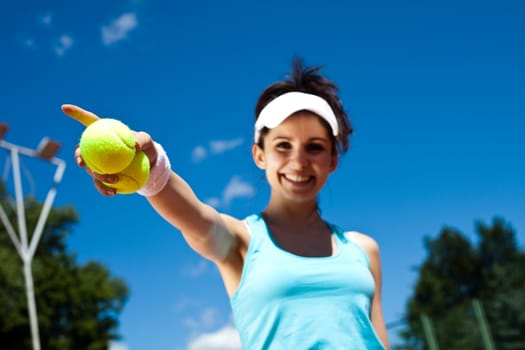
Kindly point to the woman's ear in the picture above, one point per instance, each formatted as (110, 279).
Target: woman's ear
(258, 156)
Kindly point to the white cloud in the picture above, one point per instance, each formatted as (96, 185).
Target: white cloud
(226, 338)
(117, 346)
(64, 44)
(207, 319)
(28, 43)
(119, 28)
(198, 154)
(196, 270)
(237, 188)
(221, 146)
(46, 19)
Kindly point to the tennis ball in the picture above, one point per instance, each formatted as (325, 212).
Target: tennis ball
(107, 146)
(134, 176)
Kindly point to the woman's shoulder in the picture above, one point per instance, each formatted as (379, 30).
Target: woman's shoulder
(238, 228)
(369, 244)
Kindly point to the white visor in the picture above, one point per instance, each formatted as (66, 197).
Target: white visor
(280, 108)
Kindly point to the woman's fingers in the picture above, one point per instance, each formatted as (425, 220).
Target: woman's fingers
(78, 158)
(144, 143)
(85, 117)
(100, 180)
(103, 189)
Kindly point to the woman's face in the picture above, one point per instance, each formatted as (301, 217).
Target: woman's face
(297, 157)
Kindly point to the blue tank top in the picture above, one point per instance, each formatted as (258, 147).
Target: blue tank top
(289, 302)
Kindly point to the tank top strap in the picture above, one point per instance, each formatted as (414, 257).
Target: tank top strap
(257, 230)
(251, 223)
(349, 243)
(338, 232)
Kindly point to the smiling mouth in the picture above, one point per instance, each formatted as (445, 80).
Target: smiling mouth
(297, 179)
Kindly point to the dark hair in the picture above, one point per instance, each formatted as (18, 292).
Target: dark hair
(308, 80)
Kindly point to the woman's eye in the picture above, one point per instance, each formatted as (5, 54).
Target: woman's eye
(315, 147)
(283, 146)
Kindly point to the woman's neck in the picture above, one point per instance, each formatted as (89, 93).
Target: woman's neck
(292, 214)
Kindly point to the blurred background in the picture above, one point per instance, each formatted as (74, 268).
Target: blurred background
(435, 172)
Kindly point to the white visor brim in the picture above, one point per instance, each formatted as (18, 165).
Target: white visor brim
(280, 108)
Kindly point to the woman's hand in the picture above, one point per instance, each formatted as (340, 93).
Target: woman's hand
(143, 142)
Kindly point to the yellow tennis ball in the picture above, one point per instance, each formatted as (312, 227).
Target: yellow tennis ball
(107, 146)
(134, 176)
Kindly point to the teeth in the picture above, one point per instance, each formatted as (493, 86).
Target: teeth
(297, 178)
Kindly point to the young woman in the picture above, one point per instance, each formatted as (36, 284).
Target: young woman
(294, 280)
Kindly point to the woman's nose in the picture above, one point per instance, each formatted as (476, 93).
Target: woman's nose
(299, 158)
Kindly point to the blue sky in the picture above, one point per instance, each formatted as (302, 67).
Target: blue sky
(435, 91)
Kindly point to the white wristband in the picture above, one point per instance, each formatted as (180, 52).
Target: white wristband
(159, 174)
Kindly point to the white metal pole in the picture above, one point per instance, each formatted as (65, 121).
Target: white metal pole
(31, 304)
(61, 165)
(26, 257)
(26, 249)
(22, 227)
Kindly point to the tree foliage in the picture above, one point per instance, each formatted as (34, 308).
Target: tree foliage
(78, 305)
(456, 272)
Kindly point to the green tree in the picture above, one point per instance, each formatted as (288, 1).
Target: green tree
(78, 305)
(455, 273)
(503, 284)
